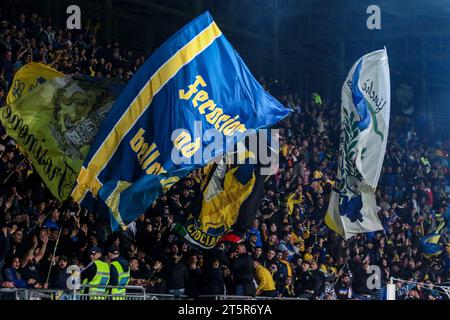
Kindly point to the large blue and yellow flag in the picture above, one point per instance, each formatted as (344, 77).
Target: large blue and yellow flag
(194, 82)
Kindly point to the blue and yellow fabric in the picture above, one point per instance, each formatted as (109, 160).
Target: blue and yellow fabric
(225, 189)
(430, 243)
(195, 81)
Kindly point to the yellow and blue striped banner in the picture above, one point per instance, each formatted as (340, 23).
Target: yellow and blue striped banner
(194, 77)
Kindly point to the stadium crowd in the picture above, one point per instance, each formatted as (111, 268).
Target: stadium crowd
(288, 250)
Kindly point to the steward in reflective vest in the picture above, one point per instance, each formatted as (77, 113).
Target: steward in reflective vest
(120, 273)
(96, 273)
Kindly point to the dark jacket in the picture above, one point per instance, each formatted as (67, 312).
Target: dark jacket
(4, 248)
(89, 272)
(58, 279)
(308, 282)
(342, 291)
(360, 280)
(212, 281)
(242, 268)
(178, 276)
(192, 285)
(158, 280)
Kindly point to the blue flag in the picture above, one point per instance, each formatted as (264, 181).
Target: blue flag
(194, 82)
(430, 245)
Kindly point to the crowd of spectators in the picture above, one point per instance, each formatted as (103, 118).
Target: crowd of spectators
(288, 250)
(33, 38)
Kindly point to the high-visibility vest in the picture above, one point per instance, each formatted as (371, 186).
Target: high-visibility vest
(101, 278)
(123, 277)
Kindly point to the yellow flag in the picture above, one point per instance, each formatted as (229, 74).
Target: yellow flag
(55, 124)
(29, 77)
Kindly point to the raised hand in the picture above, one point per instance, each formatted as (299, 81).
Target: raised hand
(35, 241)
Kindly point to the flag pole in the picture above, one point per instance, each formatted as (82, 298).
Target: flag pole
(13, 170)
(54, 250)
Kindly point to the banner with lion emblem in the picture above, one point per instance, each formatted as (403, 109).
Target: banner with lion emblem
(365, 116)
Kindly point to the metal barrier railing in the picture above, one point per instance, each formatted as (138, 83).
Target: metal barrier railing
(157, 296)
(9, 294)
(132, 293)
(32, 294)
(80, 293)
(231, 297)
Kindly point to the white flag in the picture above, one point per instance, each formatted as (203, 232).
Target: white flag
(366, 102)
